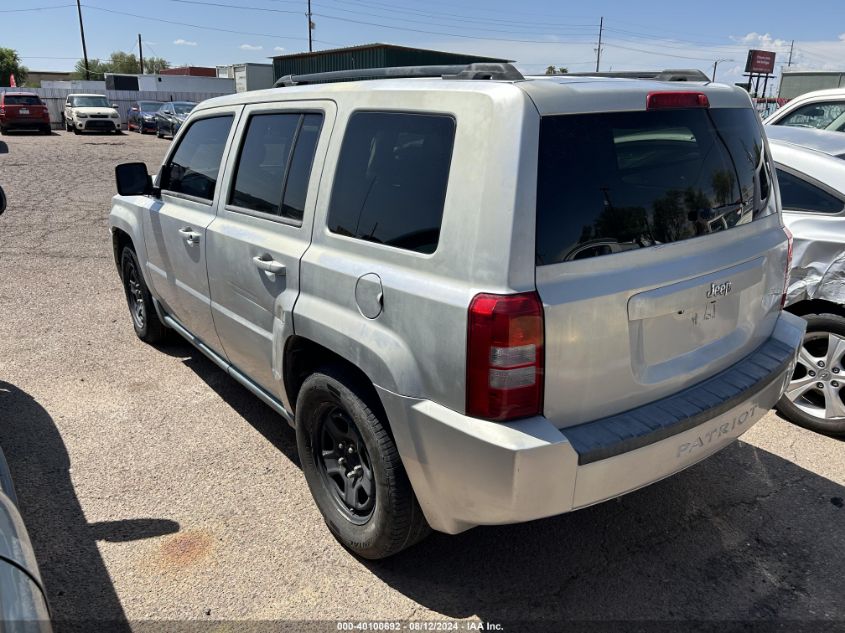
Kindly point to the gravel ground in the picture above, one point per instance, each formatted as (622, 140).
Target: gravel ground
(155, 488)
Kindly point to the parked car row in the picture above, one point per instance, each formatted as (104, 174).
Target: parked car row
(163, 118)
(91, 112)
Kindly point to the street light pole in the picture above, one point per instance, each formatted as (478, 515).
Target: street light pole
(715, 64)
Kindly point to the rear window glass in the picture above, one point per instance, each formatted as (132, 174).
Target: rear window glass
(22, 100)
(390, 185)
(615, 182)
(796, 194)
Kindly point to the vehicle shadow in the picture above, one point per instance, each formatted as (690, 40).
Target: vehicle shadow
(78, 585)
(743, 536)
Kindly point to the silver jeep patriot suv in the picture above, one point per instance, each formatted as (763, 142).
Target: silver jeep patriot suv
(479, 298)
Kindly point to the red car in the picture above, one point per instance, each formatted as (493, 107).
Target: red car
(23, 111)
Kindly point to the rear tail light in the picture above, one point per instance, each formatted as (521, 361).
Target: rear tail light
(505, 356)
(788, 265)
(669, 100)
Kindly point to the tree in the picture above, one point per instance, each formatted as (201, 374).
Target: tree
(155, 64)
(551, 70)
(10, 64)
(119, 62)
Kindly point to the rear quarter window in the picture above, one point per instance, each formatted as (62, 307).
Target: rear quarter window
(390, 183)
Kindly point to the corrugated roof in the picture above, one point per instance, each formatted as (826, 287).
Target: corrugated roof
(360, 47)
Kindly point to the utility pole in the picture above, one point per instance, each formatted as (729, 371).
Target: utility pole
(310, 28)
(84, 50)
(140, 54)
(598, 50)
(791, 46)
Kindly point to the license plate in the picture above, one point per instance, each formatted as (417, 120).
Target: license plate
(24, 111)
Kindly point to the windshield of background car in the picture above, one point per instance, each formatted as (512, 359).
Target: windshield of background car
(90, 102)
(619, 181)
(23, 100)
(149, 106)
(184, 108)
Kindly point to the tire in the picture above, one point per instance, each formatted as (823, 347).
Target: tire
(804, 403)
(3, 131)
(75, 130)
(158, 133)
(47, 131)
(334, 413)
(145, 319)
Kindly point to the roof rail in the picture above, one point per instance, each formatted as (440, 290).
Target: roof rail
(504, 72)
(681, 74)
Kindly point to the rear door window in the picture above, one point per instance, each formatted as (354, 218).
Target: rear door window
(614, 182)
(798, 194)
(275, 163)
(390, 184)
(194, 167)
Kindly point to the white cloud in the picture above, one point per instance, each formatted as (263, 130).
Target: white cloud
(282, 48)
(250, 47)
(181, 42)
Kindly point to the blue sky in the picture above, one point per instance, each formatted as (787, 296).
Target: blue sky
(535, 33)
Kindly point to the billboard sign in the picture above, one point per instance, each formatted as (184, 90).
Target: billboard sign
(760, 62)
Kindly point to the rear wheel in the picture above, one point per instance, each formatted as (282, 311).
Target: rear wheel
(145, 320)
(3, 130)
(815, 397)
(353, 468)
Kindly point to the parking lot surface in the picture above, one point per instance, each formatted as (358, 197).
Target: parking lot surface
(154, 487)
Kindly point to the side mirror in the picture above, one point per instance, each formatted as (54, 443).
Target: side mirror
(2, 201)
(114, 105)
(133, 180)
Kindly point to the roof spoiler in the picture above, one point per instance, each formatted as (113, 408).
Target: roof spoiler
(501, 72)
(681, 74)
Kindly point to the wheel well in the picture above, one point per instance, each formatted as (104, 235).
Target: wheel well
(119, 239)
(816, 306)
(303, 357)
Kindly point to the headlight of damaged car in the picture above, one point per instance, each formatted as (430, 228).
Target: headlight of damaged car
(115, 115)
(81, 115)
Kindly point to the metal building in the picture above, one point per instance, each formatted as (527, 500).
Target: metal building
(368, 56)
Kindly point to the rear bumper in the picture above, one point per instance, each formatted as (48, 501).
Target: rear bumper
(25, 124)
(467, 472)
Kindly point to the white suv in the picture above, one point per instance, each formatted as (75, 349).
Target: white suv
(86, 112)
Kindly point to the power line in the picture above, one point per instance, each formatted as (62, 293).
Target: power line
(206, 28)
(55, 6)
(661, 53)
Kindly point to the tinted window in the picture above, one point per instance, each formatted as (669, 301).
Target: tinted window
(797, 194)
(148, 106)
(194, 167)
(24, 100)
(264, 157)
(817, 115)
(391, 178)
(614, 182)
(183, 108)
(299, 173)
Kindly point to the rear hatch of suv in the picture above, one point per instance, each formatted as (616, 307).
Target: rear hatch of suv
(660, 250)
(23, 109)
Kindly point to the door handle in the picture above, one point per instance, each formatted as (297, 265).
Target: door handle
(190, 236)
(269, 265)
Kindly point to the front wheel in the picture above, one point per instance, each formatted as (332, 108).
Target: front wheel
(353, 468)
(145, 320)
(815, 397)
